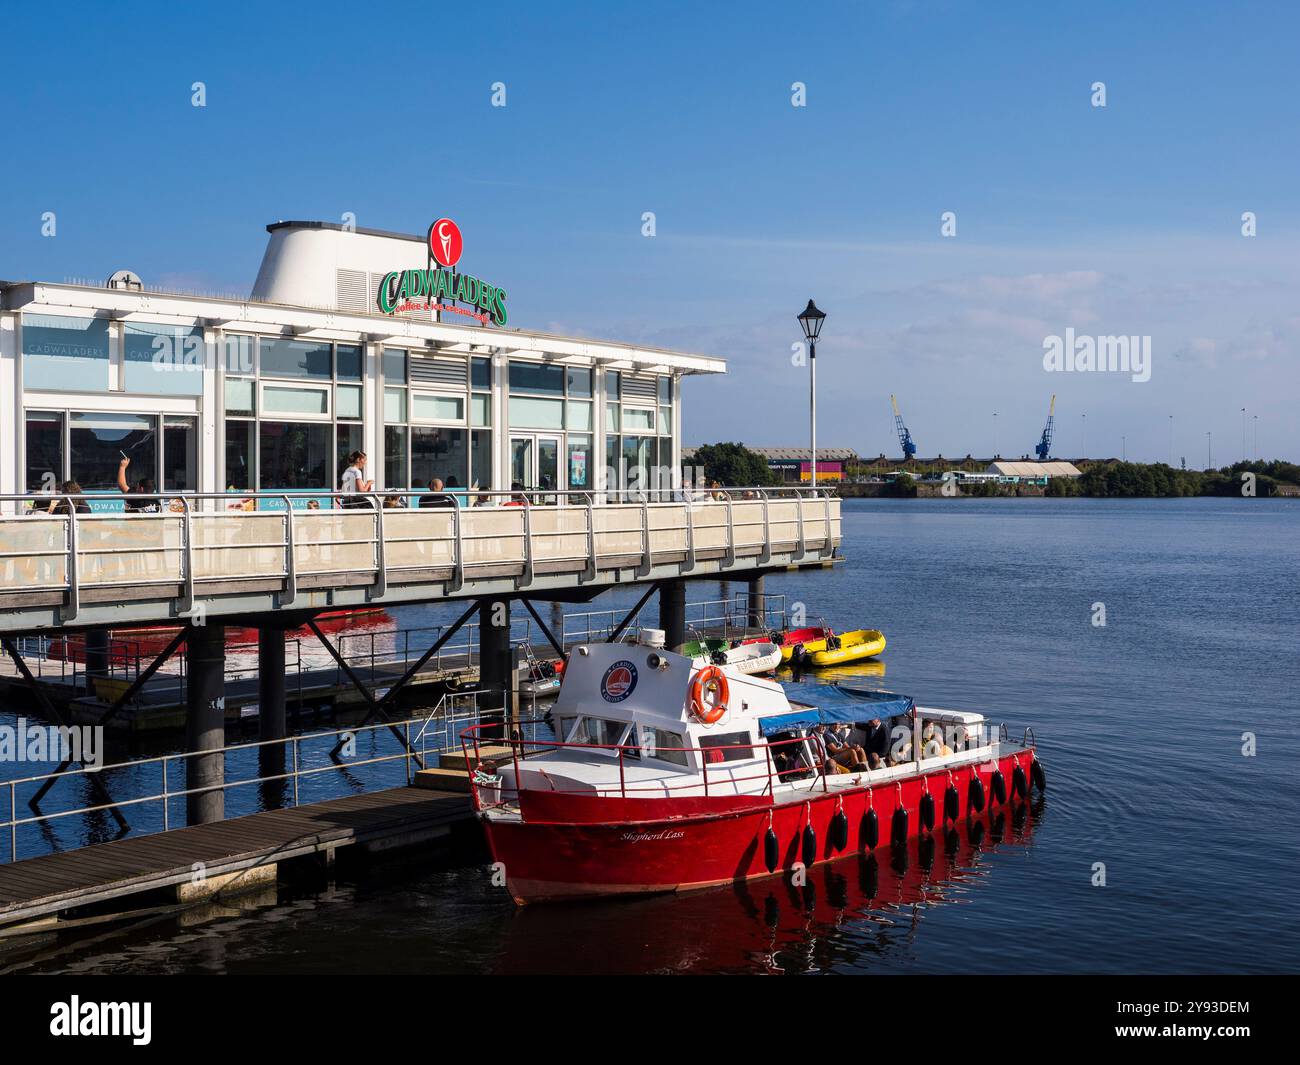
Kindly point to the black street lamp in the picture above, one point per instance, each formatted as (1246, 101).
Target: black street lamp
(811, 320)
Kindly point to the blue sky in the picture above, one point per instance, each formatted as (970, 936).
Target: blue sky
(1117, 220)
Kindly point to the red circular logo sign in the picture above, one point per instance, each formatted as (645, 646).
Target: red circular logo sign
(445, 244)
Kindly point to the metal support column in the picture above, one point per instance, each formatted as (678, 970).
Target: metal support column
(96, 657)
(205, 722)
(271, 717)
(757, 602)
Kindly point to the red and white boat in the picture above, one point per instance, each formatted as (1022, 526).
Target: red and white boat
(673, 775)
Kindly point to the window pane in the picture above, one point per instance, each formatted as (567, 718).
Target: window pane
(666, 746)
(347, 401)
(394, 405)
(429, 407)
(163, 360)
(635, 418)
(295, 358)
(480, 458)
(99, 442)
(280, 399)
(347, 439)
(295, 455)
(480, 374)
(395, 471)
(536, 379)
(239, 456)
(439, 453)
(239, 395)
(180, 455)
(239, 355)
(579, 464)
(480, 410)
(68, 353)
(44, 451)
(666, 421)
(536, 413)
(636, 462)
(613, 475)
(665, 390)
(579, 381)
(394, 366)
(611, 418)
(611, 384)
(347, 362)
(579, 415)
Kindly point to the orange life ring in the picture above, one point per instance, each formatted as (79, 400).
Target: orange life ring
(710, 677)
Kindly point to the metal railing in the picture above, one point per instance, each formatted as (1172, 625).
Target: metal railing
(208, 540)
(437, 732)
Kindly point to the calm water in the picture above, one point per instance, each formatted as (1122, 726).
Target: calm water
(987, 604)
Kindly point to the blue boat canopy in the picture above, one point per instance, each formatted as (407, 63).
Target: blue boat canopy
(835, 702)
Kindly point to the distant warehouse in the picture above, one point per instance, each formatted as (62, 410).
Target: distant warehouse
(792, 465)
(1033, 471)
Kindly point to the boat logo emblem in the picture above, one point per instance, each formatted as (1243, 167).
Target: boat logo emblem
(445, 243)
(618, 682)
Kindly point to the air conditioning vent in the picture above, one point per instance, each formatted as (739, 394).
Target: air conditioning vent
(351, 293)
(438, 371)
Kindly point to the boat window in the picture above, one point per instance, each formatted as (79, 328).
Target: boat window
(562, 727)
(599, 731)
(664, 745)
(735, 747)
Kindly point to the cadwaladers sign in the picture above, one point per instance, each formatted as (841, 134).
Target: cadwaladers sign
(441, 287)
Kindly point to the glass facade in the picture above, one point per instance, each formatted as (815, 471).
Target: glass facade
(289, 409)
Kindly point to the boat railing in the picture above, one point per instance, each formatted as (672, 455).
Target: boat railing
(479, 740)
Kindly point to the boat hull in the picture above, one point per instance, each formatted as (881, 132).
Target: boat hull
(550, 857)
(854, 647)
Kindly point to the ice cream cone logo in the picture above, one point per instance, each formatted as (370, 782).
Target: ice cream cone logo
(445, 244)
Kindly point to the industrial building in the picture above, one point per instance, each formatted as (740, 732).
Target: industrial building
(791, 465)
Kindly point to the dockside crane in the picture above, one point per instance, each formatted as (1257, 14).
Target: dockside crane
(1044, 447)
(904, 437)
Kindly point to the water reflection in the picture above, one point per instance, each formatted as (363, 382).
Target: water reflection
(849, 912)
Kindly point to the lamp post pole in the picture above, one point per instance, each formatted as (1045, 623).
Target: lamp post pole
(811, 320)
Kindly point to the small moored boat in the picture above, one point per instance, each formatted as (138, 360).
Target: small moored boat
(668, 775)
(850, 647)
(753, 656)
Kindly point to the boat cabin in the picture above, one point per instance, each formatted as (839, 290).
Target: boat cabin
(624, 725)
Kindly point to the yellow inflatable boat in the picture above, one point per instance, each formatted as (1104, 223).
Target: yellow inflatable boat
(850, 647)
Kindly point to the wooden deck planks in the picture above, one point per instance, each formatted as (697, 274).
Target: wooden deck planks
(57, 881)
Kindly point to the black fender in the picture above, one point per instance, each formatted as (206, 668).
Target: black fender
(898, 830)
(951, 803)
(839, 831)
(975, 794)
(927, 812)
(809, 845)
(1037, 777)
(998, 787)
(1019, 783)
(870, 829)
(771, 850)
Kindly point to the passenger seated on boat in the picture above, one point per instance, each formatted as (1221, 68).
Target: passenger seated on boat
(900, 752)
(788, 760)
(874, 761)
(932, 745)
(850, 758)
(875, 739)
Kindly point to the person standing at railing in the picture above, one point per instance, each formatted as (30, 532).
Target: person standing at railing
(354, 481)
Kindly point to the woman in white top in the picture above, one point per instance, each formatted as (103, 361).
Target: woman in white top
(354, 480)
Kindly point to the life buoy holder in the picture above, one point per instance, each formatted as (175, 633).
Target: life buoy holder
(710, 678)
